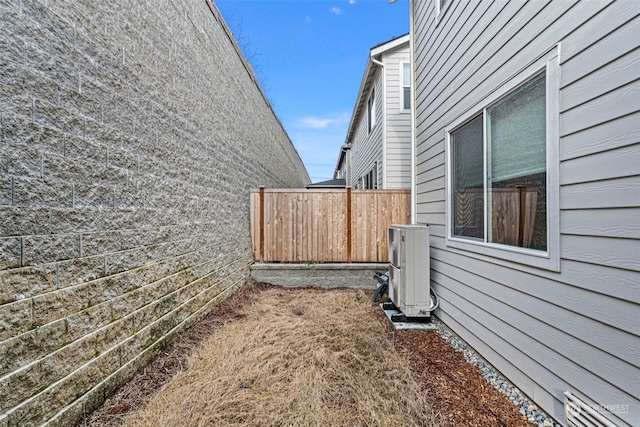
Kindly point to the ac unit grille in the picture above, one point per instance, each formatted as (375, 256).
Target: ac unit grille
(579, 414)
(409, 281)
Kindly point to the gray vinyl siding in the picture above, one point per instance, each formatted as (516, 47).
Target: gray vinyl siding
(367, 146)
(398, 123)
(388, 145)
(548, 332)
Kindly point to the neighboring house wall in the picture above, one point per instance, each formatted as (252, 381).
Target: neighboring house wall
(549, 329)
(366, 146)
(386, 149)
(397, 160)
(343, 166)
(131, 134)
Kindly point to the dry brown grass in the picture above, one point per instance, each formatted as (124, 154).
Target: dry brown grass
(296, 358)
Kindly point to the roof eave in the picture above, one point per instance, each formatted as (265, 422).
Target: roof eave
(374, 53)
(343, 152)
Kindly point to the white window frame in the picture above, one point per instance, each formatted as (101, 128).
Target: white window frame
(403, 86)
(550, 259)
(371, 109)
(441, 10)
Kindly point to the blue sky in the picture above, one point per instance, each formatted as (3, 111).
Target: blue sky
(310, 56)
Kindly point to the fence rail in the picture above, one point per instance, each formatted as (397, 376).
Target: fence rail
(325, 225)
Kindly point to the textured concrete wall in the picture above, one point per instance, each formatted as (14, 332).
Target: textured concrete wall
(359, 275)
(131, 133)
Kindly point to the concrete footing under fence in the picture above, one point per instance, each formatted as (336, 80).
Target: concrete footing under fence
(320, 275)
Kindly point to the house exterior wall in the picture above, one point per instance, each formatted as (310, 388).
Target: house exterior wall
(397, 159)
(575, 329)
(131, 133)
(343, 168)
(366, 147)
(388, 145)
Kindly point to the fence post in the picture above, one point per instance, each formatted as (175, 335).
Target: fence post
(348, 224)
(262, 223)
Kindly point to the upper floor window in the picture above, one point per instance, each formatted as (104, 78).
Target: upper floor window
(502, 166)
(371, 109)
(441, 7)
(406, 86)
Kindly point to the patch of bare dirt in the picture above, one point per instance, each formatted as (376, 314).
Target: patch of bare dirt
(274, 356)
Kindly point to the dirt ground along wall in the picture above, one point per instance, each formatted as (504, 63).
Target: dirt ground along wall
(130, 135)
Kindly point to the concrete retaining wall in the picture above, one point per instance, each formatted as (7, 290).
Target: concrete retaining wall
(130, 135)
(320, 275)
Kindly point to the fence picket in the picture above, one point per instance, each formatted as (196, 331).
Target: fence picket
(325, 225)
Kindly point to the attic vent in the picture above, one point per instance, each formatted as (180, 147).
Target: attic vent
(579, 414)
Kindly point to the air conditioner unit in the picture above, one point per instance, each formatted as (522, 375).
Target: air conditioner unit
(409, 267)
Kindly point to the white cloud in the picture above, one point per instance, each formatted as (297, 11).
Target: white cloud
(320, 122)
(352, 1)
(336, 10)
(315, 122)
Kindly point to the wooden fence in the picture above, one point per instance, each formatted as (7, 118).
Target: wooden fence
(325, 225)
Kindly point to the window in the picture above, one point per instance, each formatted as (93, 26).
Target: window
(467, 180)
(441, 7)
(370, 179)
(374, 173)
(371, 109)
(406, 86)
(515, 178)
(503, 173)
